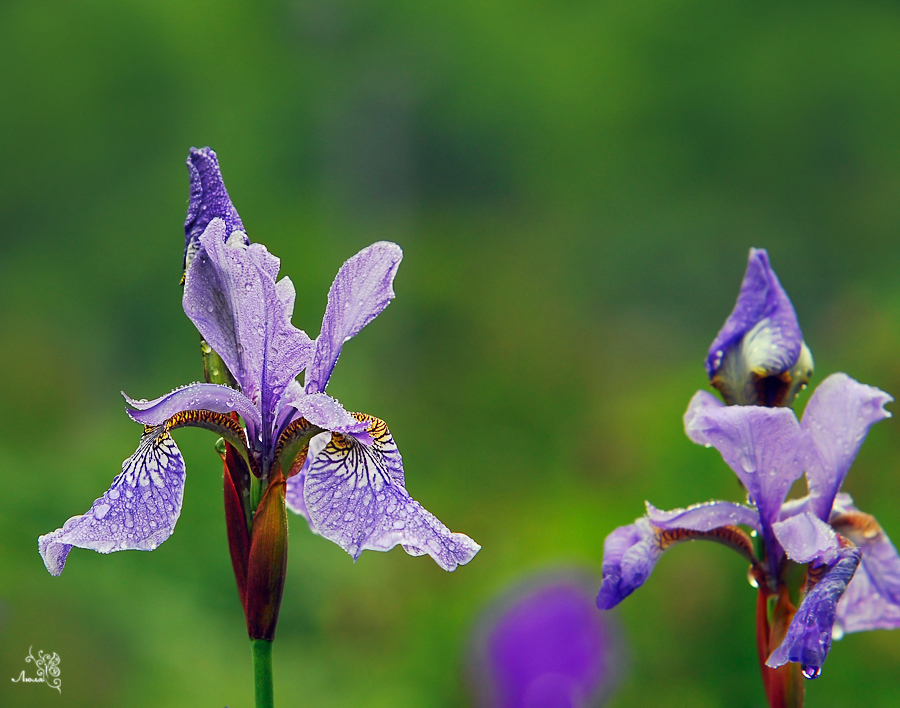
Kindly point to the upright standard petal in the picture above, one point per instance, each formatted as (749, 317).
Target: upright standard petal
(763, 318)
(808, 638)
(362, 288)
(355, 496)
(209, 200)
(761, 445)
(231, 296)
(138, 512)
(835, 424)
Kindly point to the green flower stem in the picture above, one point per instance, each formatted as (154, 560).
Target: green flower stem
(256, 492)
(262, 672)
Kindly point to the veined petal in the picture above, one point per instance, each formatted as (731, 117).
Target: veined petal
(231, 296)
(835, 423)
(808, 638)
(760, 444)
(362, 288)
(194, 397)
(293, 493)
(138, 512)
(630, 554)
(805, 538)
(209, 200)
(355, 496)
(705, 516)
(763, 323)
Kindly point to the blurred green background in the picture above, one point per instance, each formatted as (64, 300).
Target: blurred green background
(575, 186)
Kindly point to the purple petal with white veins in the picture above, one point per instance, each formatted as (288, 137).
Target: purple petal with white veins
(362, 288)
(355, 496)
(704, 517)
(764, 312)
(805, 537)
(209, 200)
(231, 296)
(194, 397)
(835, 423)
(138, 512)
(809, 635)
(630, 554)
(293, 497)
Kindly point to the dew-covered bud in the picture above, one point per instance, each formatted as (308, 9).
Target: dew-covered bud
(759, 356)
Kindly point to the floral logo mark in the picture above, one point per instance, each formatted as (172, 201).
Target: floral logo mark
(47, 667)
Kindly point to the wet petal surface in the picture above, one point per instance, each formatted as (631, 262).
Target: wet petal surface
(355, 496)
(835, 424)
(763, 323)
(362, 288)
(194, 397)
(809, 635)
(138, 512)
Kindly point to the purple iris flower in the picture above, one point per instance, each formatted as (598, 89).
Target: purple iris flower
(343, 470)
(852, 579)
(544, 645)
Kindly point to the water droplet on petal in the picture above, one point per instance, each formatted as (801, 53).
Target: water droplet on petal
(751, 578)
(810, 671)
(837, 632)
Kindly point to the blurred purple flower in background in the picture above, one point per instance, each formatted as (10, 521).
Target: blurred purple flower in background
(544, 645)
(849, 577)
